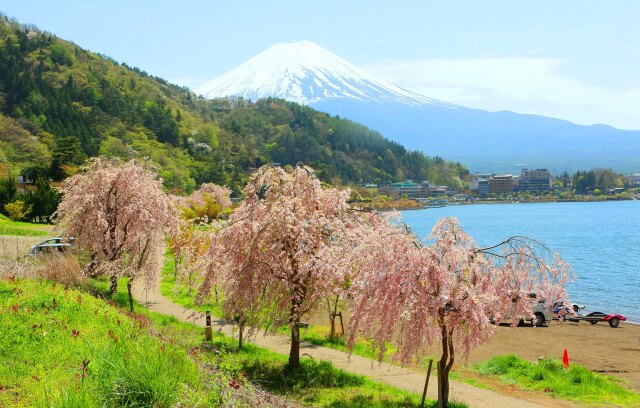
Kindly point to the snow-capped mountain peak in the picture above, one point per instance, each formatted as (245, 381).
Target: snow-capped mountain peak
(306, 73)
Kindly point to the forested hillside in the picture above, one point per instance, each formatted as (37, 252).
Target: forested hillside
(60, 104)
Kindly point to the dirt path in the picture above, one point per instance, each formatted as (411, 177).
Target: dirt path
(395, 376)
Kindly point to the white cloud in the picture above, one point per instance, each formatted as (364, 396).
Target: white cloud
(521, 84)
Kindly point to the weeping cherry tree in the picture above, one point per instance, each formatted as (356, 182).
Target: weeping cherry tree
(119, 213)
(282, 251)
(446, 293)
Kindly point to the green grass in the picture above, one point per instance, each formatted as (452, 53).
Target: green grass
(63, 347)
(549, 375)
(315, 383)
(184, 295)
(26, 229)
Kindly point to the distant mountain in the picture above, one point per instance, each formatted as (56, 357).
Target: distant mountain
(60, 104)
(306, 73)
(485, 141)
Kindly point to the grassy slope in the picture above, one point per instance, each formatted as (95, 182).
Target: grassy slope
(51, 333)
(150, 359)
(26, 229)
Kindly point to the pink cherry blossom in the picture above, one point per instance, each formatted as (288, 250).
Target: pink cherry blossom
(119, 213)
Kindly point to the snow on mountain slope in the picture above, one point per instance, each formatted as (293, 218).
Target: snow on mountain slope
(306, 73)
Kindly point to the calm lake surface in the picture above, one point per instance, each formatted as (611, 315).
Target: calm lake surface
(601, 240)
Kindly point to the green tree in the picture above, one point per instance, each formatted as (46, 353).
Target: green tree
(8, 190)
(43, 201)
(17, 210)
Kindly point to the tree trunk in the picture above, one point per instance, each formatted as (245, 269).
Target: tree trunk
(443, 386)
(333, 325)
(130, 295)
(333, 313)
(294, 354)
(114, 285)
(240, 332)
(444, 367)
(444, 364)
(175, 269)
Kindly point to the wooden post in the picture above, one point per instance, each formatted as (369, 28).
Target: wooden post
(426, 384)
(341, 323)
(208, 335)
(130, 295)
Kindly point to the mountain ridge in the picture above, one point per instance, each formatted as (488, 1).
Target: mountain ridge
(484, 141)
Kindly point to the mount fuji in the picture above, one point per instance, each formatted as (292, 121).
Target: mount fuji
(308, 74)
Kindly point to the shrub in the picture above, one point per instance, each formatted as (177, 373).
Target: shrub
(17, 210)
(15, 269)
(61, 268)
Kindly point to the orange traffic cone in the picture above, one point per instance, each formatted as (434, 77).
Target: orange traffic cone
(565, 359)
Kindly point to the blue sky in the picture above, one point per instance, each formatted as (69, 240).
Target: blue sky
(577, 60)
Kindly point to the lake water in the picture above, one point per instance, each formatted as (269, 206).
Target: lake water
(601, 240)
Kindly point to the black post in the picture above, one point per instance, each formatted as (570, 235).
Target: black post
(426, 384)
(208, 335)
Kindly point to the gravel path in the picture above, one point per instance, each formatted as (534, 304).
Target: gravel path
(395, 376)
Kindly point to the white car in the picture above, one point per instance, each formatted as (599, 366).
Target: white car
(541, 314)
(53, 245)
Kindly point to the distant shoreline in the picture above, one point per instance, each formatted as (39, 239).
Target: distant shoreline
(399, 207)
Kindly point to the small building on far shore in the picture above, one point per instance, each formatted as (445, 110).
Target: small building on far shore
(535, 181)
(408, 188)
(501, 184)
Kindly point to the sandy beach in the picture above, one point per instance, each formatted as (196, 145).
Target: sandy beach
(597, 347)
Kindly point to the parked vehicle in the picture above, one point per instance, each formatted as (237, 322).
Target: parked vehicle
(613, 319)
(541, 314)
(593, 317)
(53, 245)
